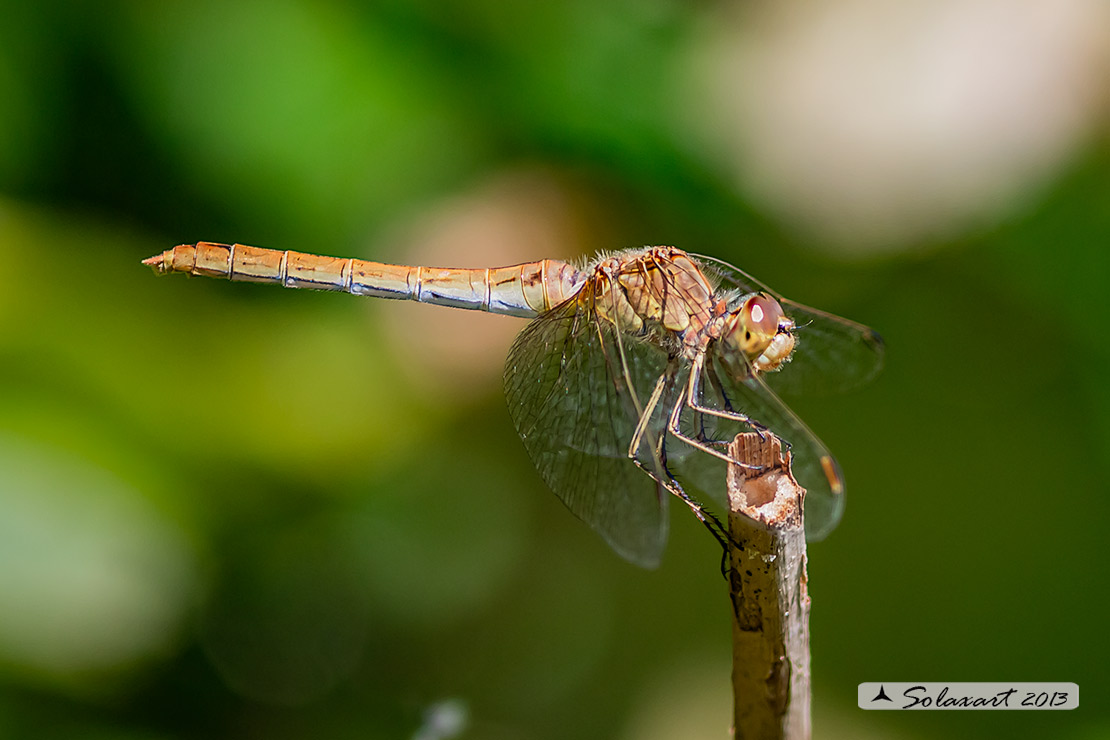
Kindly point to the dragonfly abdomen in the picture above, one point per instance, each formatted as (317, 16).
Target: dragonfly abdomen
(525, 290)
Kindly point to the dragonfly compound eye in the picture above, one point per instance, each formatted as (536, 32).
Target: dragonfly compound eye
(757, 324)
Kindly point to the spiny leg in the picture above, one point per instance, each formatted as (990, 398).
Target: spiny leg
(715, 381)
(694, 386)
(706, 517)
(693, 391)
(665, 384)
(719, 531)
(702, 435)
(674, 427)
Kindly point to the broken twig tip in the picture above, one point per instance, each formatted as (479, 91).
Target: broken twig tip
(764, 491)
(770, 599)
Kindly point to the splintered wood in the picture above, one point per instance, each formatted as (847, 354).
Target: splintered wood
(770, 603)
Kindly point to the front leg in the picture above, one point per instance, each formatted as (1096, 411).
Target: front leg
(729, 412)
(692, 393)
(688, 400)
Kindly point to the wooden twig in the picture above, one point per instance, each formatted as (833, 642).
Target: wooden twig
(770, 603)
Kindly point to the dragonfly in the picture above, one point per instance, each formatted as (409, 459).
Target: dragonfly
(635, 370)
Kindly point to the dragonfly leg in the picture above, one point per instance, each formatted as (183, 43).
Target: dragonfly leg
(703, 435)
(706, 517)
(711, 373)
(704, 446)
(692, 392)
(715, 381)
(665, 384)
(674, 427)
(645, 415)
(668, 481)
(728, 412)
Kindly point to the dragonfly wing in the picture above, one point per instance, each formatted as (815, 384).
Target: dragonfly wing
(812, 464)
(576, 390)
(831, 354)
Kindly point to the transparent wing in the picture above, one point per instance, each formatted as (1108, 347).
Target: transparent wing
(813, 465)
(576, 390)
(831, 353)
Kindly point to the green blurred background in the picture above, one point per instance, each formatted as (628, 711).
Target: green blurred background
(235, 511)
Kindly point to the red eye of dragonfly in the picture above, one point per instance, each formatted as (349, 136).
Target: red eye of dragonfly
(763, 313)
(757, 324)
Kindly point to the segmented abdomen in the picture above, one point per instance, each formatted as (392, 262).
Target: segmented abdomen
(526, 289)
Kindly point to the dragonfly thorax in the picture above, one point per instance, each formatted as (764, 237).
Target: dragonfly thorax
(659, 291)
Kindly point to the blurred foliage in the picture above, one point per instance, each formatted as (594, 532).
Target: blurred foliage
(232, 511)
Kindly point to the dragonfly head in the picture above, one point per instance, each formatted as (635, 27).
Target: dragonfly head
(761, 332)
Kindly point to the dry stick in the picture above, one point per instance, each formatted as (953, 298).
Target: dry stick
(770, 604)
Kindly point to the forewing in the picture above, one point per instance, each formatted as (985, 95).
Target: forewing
(575, 391)
(831, 353)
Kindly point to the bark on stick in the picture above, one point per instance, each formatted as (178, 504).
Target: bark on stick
(770, 603)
